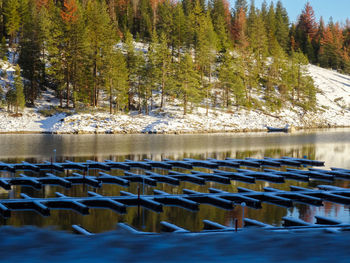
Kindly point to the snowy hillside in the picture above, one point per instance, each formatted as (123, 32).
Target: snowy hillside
(333, 103)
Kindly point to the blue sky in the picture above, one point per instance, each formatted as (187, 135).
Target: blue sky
(338, 9)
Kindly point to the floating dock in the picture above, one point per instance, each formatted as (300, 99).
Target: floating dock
(248, 170)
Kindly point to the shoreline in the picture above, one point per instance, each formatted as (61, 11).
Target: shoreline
(184, 132)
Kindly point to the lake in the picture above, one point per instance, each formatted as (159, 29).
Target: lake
(329, 145)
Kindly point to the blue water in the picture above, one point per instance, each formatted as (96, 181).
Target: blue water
(30, 244)
(48, 243)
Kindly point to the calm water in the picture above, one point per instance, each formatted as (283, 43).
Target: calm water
(332, 146)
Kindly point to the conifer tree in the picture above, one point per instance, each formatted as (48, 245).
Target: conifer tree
(100, 37)
(221, 20)
(132, 66)
(179, 34)
(187, 82)
(73, 45)
(3, 48)
(55, 47)
(117, 80)
(303, 92)
(271, 26)
(282, 25)
(32, 50)
(264, 10)
(306, 30)
(10, 98)
(240, 4)
(18, 85)
(164, 64)
(2, 19)
(165, 19)
(274, 78)
(258, 42)
(205, 52)
(149, 74)
(13, 19)
(231, 75)
(239, 29)
(251, 19)
(146, 21)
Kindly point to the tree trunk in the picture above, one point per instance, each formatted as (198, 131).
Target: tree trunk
(163, 88)
(110, 98)
(227, 97)
(140, 100)
(146, 101)
(97, 93)
(111, 9)
(67, 88)
(95, 81)
(61, 98)
(298, 87)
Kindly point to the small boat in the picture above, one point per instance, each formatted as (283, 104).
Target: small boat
(273, 129)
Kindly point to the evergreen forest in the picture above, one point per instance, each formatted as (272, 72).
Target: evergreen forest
(127, 53)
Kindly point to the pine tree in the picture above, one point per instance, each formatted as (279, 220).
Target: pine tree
(165, 19)
(3, 48)
(240, 5)
(239, 29)
(282, 25)
(306, 30)
(146, 21)
(10, 98)
(231, 75)
(221, 20)
(179, 34)
(187, 82)
(2, 19)
(100, 37)
(258, 42)
(32, 51)
(205, 51)
(274, 78)
(55, 47)
(117, 80)
(164, 64)
(303, 91)
(135, 62)
(73, 45)
(271, 25)
(18, 85)
(251, 19)
(149, 75)
(13, 19)
(331, 53)
(264, 10)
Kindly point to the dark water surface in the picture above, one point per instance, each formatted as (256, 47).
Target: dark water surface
(332, 146)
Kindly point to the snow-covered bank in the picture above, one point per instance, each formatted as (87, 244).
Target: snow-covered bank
(333, 101)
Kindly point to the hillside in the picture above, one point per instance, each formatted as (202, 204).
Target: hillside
(333, 103)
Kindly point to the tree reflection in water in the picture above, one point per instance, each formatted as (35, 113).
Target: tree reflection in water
(38, 148)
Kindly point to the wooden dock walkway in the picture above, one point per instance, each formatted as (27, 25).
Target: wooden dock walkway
(290, 224)
(189, 199)
(147, 172)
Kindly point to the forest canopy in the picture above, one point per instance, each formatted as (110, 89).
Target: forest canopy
(127, 52)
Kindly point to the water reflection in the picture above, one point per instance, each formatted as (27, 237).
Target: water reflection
(332, 146)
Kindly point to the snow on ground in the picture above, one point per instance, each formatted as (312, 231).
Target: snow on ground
(334, 96)
(333, 103)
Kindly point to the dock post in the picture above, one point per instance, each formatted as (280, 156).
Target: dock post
(138, 192)
(243, 206)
